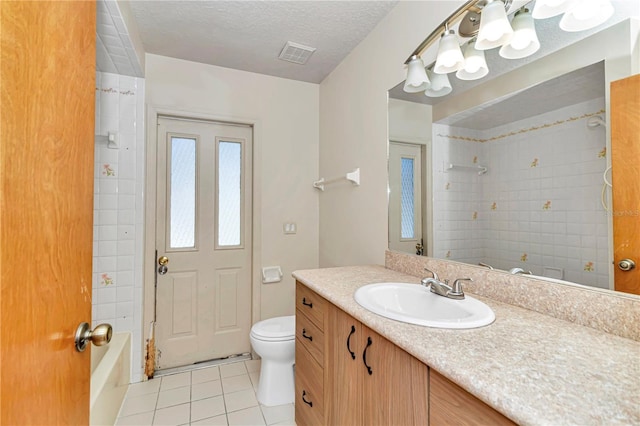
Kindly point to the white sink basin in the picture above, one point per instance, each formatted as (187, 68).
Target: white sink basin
(415, 304)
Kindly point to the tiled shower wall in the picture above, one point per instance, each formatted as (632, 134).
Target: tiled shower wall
(119, 209)
(539, 205)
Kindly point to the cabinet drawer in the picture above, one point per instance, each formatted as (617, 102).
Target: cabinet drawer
(311, 305)
(310, 336)
(309, 399)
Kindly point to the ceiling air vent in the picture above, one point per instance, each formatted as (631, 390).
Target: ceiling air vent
(296, 53)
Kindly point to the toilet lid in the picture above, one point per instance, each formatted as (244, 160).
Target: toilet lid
(279, 328)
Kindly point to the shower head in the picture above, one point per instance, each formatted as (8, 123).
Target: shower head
(596, 121)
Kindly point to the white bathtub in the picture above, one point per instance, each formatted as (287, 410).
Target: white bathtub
(110, 376)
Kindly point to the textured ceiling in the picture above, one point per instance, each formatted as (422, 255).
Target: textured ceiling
(569, 89)
(249, 35)
(115, 52)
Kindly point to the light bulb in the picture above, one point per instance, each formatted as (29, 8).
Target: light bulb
(450, 57)
(548, 8)
(475, 65)
(586, 14)
(525, 40)
(495, 29)
(417, 79)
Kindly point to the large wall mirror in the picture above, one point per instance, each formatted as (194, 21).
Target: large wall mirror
(513, 171)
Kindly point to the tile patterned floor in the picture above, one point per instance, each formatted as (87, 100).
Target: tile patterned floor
(219, 395)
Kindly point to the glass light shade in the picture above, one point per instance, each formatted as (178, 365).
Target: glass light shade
(586, 14)
(495, 29)
(524, 41)
(417, 80)
(450, 57)
(544, 9)
(475, 64)
(440, 85)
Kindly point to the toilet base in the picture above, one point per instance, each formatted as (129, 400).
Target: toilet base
(276, 385)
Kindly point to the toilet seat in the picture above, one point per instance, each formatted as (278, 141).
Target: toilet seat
(275, 329)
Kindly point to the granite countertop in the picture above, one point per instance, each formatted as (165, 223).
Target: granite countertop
(533, 368)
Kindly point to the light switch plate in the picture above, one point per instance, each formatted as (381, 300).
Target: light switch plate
(290, 228)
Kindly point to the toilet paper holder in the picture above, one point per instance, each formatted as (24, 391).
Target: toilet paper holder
(271, 274)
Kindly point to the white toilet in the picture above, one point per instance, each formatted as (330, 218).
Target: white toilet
(274, 340)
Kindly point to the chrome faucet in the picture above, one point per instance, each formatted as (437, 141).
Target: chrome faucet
(516, 271)
(443, 288)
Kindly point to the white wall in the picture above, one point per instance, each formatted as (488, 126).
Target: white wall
(409, 122)
(285, 113)
(354, 132)
(118, 209)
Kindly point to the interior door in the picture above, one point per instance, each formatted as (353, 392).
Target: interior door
(203, 298)
(405, 197)
(625, 155)
(46, 208)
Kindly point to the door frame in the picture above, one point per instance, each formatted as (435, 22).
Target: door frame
(149, 263)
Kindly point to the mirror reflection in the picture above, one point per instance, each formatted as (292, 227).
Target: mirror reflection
(510, 174)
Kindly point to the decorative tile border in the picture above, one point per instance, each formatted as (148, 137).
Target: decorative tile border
(530, 129)
(115, 91)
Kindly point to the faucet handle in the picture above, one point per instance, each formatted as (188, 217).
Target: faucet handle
(456, 290)
(435, 276)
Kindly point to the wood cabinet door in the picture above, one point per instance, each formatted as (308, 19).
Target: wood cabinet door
(395, 389)
(47, 52)
(450, 404)
(344, 369)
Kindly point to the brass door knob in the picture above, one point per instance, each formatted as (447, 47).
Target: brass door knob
(163, 260)
(101, 335)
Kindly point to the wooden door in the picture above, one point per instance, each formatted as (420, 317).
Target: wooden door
(46, 208)
(204, 229)
(344, 369)
(625, 159)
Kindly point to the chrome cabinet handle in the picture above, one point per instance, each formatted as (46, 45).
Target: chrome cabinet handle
(101, 335)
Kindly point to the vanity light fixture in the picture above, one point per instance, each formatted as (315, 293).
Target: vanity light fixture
(525, 40)
(586, 14)
(544, 9)
(495, 29)
(417, 80)
(450, 58)
(440, 85)
(487, 19)
(475, 64)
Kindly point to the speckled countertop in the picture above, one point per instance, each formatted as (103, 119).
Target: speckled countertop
(533, 368)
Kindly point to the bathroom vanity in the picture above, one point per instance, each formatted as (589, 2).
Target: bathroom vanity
(355, 367)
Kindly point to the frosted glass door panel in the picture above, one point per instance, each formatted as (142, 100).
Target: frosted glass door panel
(182, 209)
(229, 194)
(407, 200)
(405, 196)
